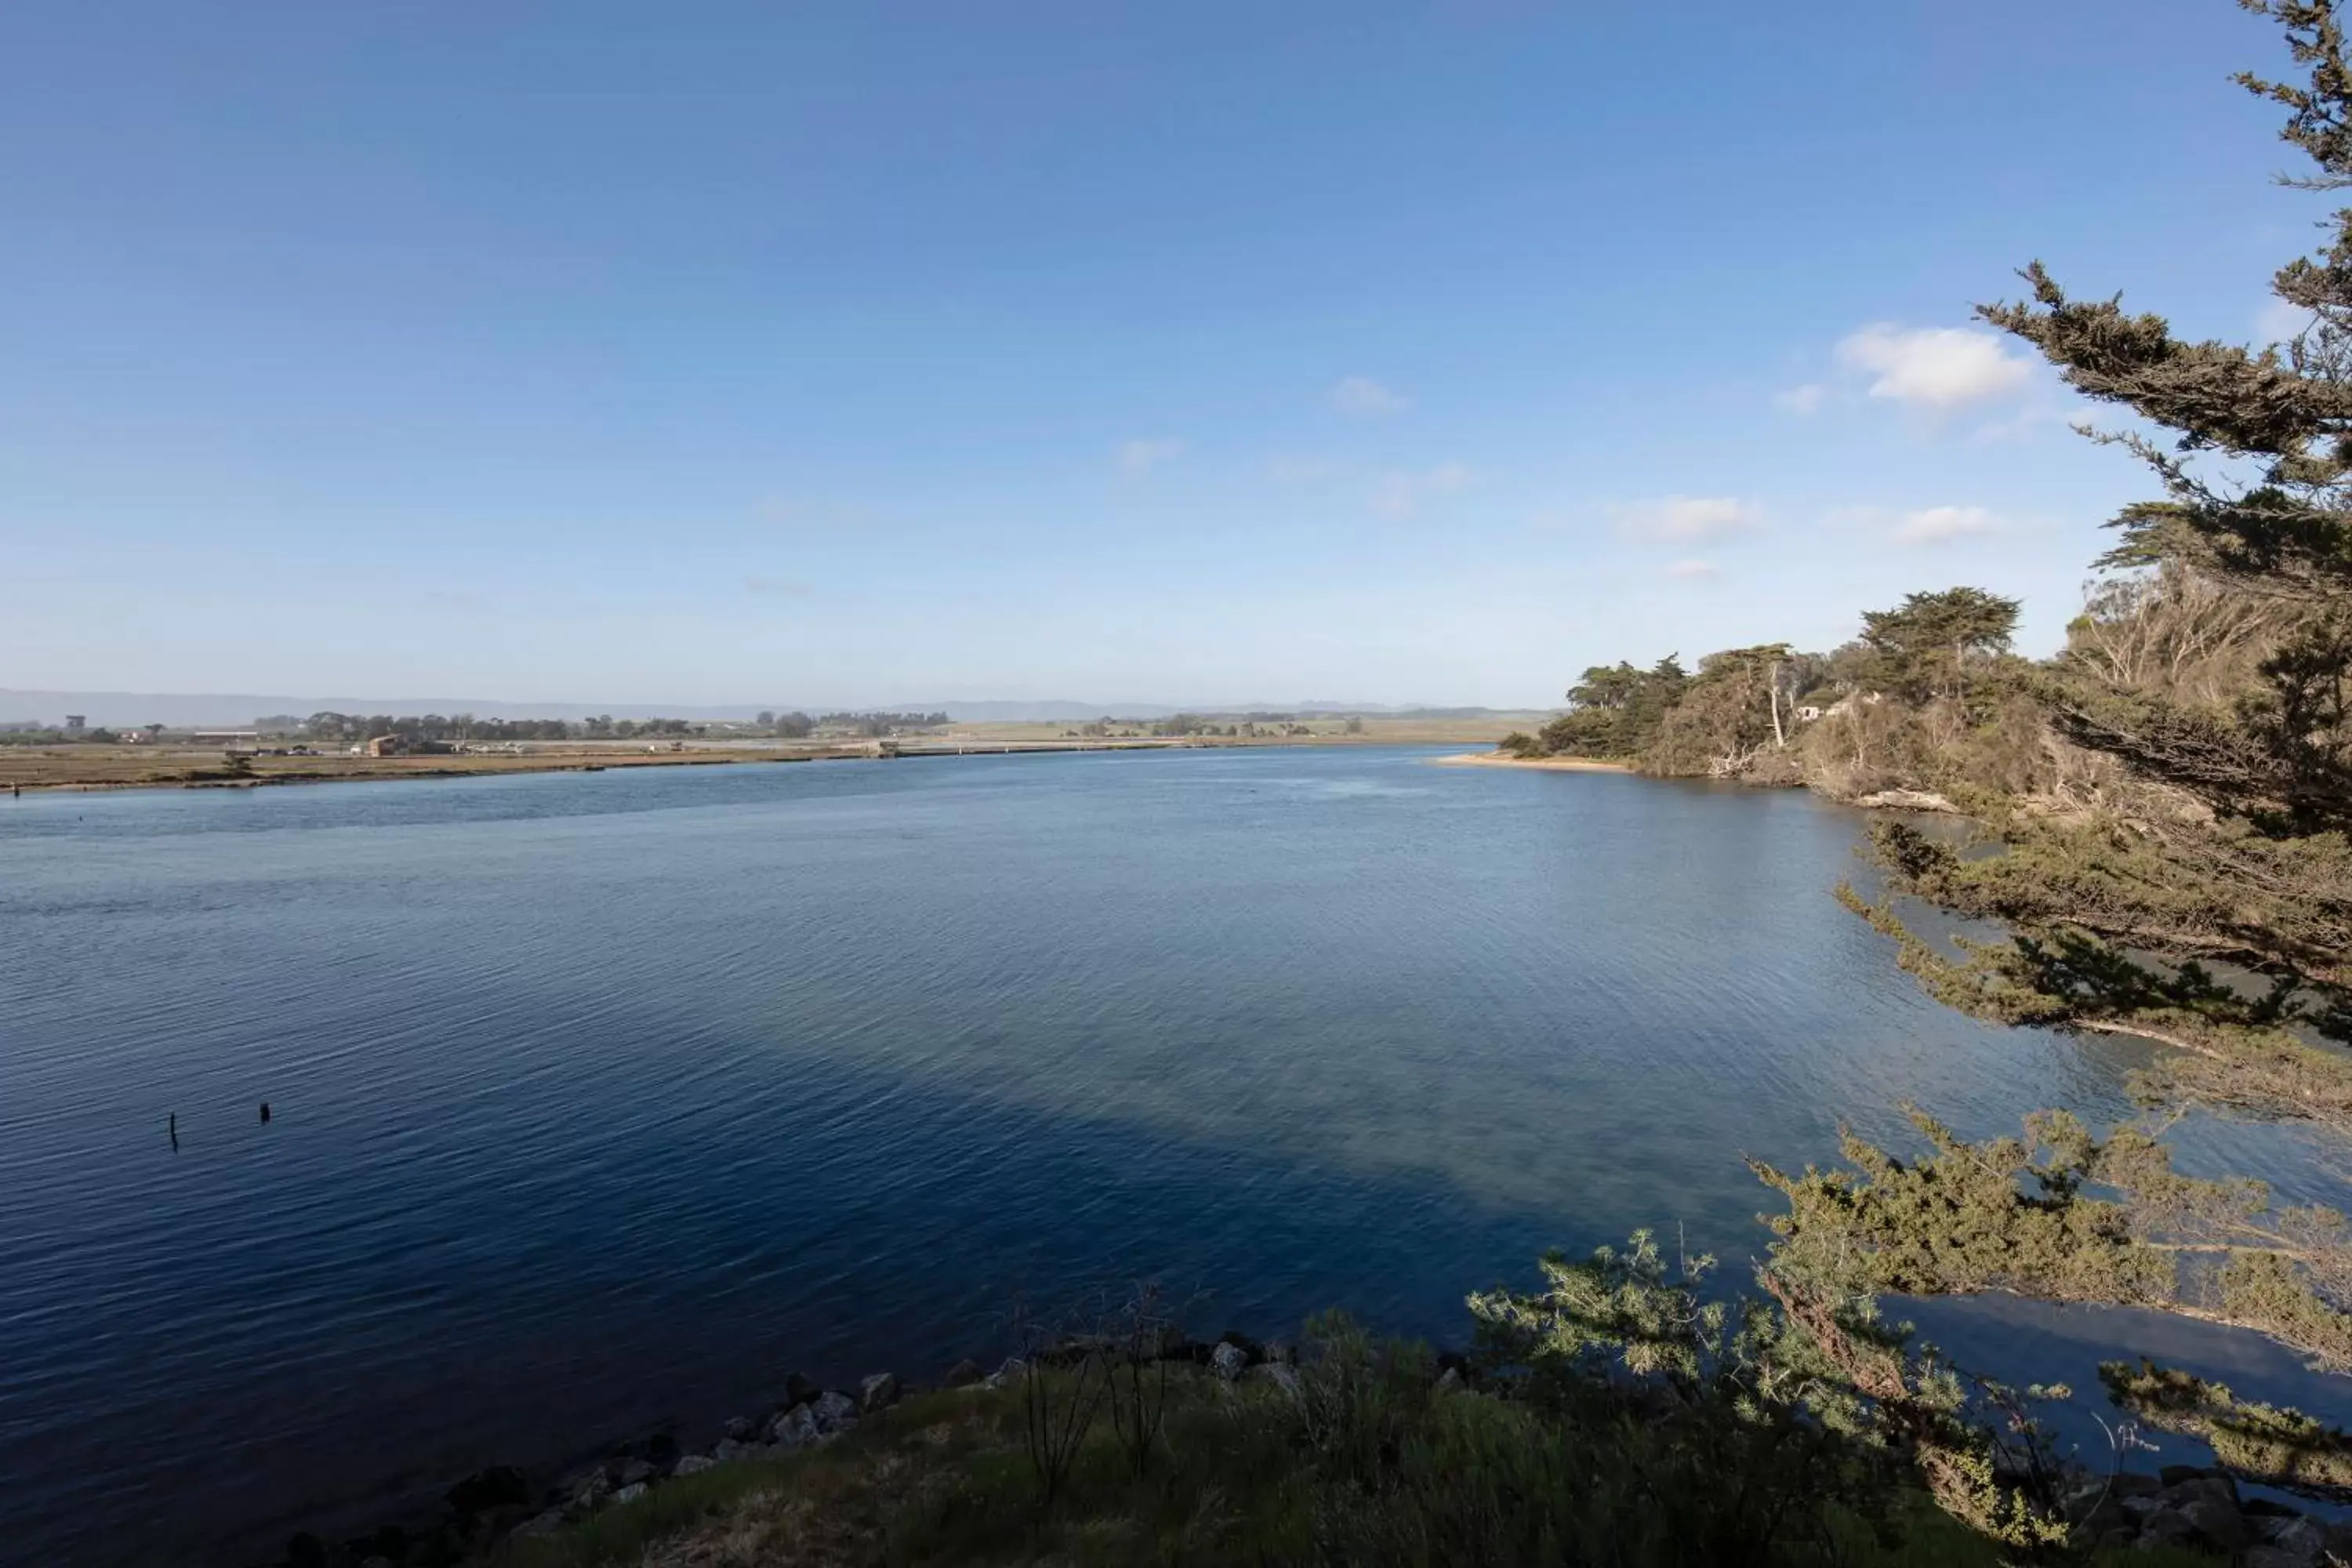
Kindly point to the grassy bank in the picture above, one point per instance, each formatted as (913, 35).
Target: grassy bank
(1357, 1457)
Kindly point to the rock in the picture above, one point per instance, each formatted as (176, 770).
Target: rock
(2173, 1475)
(795, 1428)
(965, 1374)
(2264, 1508)
(2166, 1526)
(1282, 1353)
(1228, 1361)
(2078, 1502)
(2304, 1539)
(836, 1412)
(1906, 800)
(1280, 1373)
(1010, 1371)
(2219, 1524)
(2275, 1557)
(441, 1547)
(1450, 1381)
(728, 1451)
(632, 1472)
(590, 1489)
(1072, 1349)
(391, 1543)
(2104, 1516)
(798, 1390)
(480, 1529)
(306, 1550)
(630, 1493)
(546, 1523)
(2132, 1483)
(662, 1450)
(693, 1464)
(739, 1427)
(879, 1392)
(2137, 1509)
(1242, 1343)
(2217, 1490)
(500, 1486)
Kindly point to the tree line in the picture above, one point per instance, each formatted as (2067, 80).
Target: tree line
(2159, 817)
(1881, 711)
(333, 726)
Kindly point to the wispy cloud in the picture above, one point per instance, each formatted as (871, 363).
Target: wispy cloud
(1935, 367)
(1402, 493)
(1801, 400)
(1693, 571)
(2278, 322)
(1141, 457)
(777, 587)
(1686, 517)
(1287, 470)
(1366, 399)
(1942, 524)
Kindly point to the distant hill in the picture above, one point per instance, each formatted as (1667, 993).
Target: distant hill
(181, 709)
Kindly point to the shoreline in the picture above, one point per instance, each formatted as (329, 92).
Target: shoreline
(204, 770)
(1542, 764)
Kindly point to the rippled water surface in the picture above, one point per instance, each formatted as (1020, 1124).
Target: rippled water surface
(605, 1100)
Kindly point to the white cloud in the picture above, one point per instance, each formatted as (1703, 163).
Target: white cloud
(1800, 401)
(1940, 367)
(777, 587)
(1400, 494)
(1692, 571)
(1366, 398)
(1142, 456)
(2278, 322)
(1941, 524)
(1686, 517)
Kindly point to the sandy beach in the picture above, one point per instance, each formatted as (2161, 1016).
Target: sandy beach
(1551, 764)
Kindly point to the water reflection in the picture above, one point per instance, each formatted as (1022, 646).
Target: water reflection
(618, 1096)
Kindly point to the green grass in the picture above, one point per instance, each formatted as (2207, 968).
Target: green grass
(1389, 1472)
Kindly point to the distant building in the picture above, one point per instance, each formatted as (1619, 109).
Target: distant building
(76, 723)
(1808, 713)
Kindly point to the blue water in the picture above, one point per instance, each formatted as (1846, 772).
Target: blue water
(602, 1100)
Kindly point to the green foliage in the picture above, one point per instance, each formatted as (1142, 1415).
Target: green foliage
(1368, 1461)
(1614, 711)
(1801, 1388)
(1726, 716)
(2196, 887)
(2064, 1216)
(2256, 1442)
(1928, 645)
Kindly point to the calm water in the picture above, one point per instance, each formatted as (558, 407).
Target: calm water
(606, 1100)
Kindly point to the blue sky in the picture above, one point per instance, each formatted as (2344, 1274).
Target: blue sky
(859, 353)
